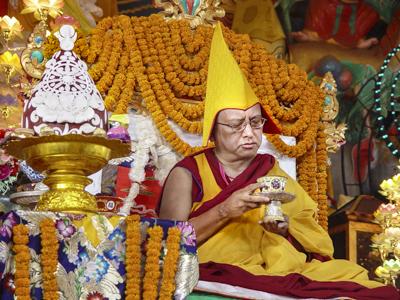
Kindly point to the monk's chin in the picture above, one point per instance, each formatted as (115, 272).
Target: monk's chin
(248, 153)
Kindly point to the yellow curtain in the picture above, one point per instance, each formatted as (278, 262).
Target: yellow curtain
(259, 20)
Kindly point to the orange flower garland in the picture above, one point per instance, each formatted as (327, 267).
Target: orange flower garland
(163, 94)
(97, 38)
(111, 60)
(128, 89)
(322, 177)
(152, 267)
(22, 261)
(170, 263)
(97, 70)
(159, 87)
(300, 108)
(189, 71)
(49, 258)
(150, 99)
(133, 258)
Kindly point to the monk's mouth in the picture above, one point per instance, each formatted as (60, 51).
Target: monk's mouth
(248, 146)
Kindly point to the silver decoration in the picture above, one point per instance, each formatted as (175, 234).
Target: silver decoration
(187, 275)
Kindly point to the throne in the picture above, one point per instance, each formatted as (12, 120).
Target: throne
(159, 66)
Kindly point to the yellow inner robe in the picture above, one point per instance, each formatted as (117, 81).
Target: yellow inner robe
(246, 244)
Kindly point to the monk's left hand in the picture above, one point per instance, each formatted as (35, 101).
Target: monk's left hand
(278, 227)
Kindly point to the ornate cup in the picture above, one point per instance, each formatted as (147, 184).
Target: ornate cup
(273, 184)
(274, 188)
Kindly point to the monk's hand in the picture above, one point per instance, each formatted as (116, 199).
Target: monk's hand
(242, 201)
(278, 227)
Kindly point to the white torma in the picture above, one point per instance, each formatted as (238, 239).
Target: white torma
(66, 93)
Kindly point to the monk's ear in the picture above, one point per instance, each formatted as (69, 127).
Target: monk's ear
(212, 135)
(214, 129)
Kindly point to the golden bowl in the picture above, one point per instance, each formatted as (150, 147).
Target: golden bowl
(67, 161)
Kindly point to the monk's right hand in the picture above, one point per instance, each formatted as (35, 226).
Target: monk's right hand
(242, 201)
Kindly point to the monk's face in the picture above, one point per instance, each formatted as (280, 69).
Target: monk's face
(233, 143)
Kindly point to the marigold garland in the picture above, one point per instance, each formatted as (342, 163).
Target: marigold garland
(152, 267)
(118, 82)
(97, 70)
(299, 109)
(22, 261)
(97, 38)
(322, 175)
(133, 258)
(111, 60)
(170, 263)
(150, 99)
(127, 90)
(158, 84)
(49, 258)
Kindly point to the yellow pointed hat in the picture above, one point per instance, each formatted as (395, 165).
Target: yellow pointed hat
(227, 87)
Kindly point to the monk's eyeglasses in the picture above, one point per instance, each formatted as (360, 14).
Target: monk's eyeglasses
(255, 123)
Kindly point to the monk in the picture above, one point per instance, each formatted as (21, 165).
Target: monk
(214, 190)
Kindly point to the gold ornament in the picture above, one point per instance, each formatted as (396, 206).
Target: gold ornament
(67, 159)
(335, 134)
(197, 12)
(32, 58)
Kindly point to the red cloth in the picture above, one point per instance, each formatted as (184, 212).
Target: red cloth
(293, 285)
(259, 166)
(366, 155)
(3, 8)
(150, 188)
(392, 36)
(322, 18)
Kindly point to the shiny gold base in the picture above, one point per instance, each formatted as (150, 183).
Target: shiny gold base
(68, 200)
(67, 193)
(67, 161)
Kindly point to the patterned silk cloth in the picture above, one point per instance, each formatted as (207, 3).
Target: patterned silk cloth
(91, 256)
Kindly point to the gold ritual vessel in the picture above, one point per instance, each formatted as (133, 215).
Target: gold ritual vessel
(67, 160)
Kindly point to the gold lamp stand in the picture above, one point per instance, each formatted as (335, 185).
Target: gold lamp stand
(67, 161)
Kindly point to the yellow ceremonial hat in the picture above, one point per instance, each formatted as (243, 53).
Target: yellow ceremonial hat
(227, 87)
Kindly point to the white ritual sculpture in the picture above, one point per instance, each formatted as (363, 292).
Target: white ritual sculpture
(66, 98)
